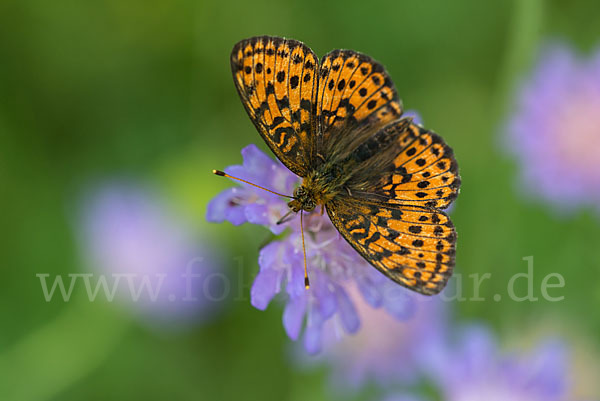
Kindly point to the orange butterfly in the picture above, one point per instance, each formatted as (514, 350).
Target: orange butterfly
(383, 179)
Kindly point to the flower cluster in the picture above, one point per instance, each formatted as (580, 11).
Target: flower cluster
(387, 351)
(474, 368)
(147, 256)
(555, 129)
(333, 265)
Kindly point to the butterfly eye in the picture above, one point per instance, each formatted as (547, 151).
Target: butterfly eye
(300, 192)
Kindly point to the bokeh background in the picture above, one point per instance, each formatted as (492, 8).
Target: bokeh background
(141, 93)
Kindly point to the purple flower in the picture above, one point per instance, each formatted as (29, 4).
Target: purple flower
(555, 129)
(475, 369)
(250, 204)
(147, 257)
(333, 265)
(387, 351)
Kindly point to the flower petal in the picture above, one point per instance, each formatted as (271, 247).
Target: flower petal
(257, 214)
(347, 311)
(415, 116)
(293, 316)
(267, 215)
(312, 334)
(398, 302)
(264, 288)
(295, 284)
(369, 290)
(227, 206)
(256, 161)
(326, 299)
(267, 171)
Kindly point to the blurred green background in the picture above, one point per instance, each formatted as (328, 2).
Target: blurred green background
(91, 90)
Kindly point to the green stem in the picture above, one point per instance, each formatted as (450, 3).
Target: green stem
(524, 36)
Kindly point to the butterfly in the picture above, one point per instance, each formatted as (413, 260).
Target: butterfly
(338, 124)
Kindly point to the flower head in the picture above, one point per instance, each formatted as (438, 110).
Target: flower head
(147, 256)
(387, 350)
(475, 369)
(555, 129)
(333, 265)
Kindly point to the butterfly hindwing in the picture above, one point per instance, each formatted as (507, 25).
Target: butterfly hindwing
(356, 97)
(425, 172)
(276, 81)
(405, 163)
(413, 246)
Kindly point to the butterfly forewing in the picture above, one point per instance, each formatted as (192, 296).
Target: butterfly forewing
(356, 97)
(276, 81)
(413, 246)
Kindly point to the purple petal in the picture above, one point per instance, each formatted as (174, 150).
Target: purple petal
(267, 215)
(226, 207)
(269, 256)
(415, 116)
(312, 334)
(369, 291)
(258, 179)
(264, 171)
(398, 302)
(347, 311)
(327, 303)
(264, 288)
(293, 316)
(295, 285)
(257, 214)
(256, 161)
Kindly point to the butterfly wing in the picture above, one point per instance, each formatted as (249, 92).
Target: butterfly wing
(405, 163)
(276, 81)
(355, 98)
(400, 178)
(412, 245)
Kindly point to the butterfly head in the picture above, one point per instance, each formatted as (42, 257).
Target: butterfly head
(303, 200)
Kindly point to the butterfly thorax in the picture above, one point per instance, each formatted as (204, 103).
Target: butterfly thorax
(319, 187)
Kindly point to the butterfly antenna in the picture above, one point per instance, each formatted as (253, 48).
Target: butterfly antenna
(223, 174)
(284, 218)
(306, 283)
